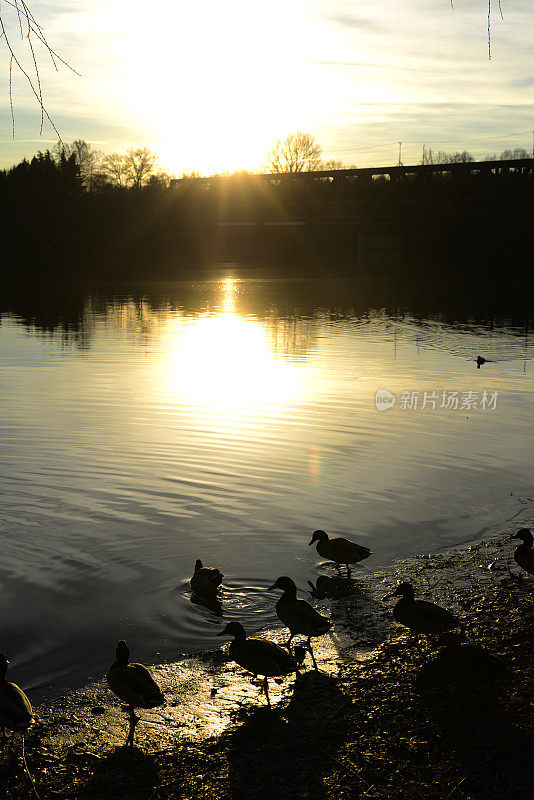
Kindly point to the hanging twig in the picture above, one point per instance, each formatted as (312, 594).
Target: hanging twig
(489, 30)
(11, 96)
(32, 29)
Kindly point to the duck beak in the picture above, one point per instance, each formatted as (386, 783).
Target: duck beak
(222, 633)
(312, 541)
(270, 588)
(515, 536)
(389, 596)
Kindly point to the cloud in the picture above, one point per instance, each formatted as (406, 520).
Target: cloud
(357, 22)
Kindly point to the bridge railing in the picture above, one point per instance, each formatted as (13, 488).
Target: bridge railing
(398, 173)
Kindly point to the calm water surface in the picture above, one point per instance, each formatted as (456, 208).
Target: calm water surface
(227, 420)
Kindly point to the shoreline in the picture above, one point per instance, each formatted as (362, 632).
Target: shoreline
(212, 704)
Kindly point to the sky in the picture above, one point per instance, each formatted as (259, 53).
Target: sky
(210, 85)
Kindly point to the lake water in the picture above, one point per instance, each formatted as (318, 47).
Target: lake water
(227, 419)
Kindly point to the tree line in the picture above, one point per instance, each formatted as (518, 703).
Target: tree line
(74, 209)
(79, 167)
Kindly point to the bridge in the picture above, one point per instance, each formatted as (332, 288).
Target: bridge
(475, 170)
(404, 214)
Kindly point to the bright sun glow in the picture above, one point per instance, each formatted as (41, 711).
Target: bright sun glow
(220, 81)
(226, 362)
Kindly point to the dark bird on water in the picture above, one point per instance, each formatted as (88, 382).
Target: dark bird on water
(339, 550)
(16, 712)
(134, 685)
(205, 580)
(480, 361)
(259, 656)
(524, 554)
(420, 616)
(298, 615)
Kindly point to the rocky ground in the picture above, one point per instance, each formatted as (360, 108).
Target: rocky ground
(381, 718)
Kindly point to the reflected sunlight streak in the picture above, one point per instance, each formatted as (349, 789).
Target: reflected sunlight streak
(225, 362)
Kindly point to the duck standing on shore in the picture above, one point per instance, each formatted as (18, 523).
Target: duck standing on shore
(134, 685)
(16, 711)
(259, 656)
(467, 662)
(205, 580)
(420, 616)
(298, 615)
(339, 550)
(524, 554)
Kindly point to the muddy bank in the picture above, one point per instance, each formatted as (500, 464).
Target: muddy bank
(379, 720)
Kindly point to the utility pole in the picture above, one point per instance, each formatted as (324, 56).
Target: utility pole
(400, 164)
(423, 158)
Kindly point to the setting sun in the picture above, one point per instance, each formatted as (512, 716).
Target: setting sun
(221, 94)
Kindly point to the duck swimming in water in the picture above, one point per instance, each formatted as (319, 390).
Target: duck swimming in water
(259, 656)
(16, 711)
(134, 685)
(298, 615)
(205, 580)
(420, 616)
(339, 550)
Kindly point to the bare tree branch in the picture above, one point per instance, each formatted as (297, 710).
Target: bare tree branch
(298, 152)
(30, 32)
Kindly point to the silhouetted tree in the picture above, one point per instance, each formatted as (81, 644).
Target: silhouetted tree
(298, 152)
(140, 165)
(87, 158)
(158, 181)
(517, 152)
(332, 163)
(442, 157)
(113, 168)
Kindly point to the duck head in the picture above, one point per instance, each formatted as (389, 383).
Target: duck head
(319, 536)
(122, 653)
(404, 589)
(198, 565)
(525, 535)
(234, 629)
(284, 583)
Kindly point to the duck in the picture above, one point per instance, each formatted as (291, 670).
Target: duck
(134, 685)
(259, 656)
(339, 550)
(205, 580)
(298, 615)
(524, 554)
(480, 361)
(420, 616)
(467, 662)
(16, 711)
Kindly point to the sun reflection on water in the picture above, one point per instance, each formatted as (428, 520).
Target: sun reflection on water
(226, 362)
